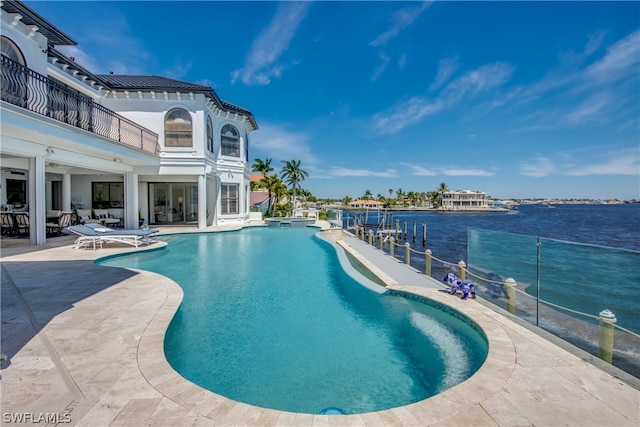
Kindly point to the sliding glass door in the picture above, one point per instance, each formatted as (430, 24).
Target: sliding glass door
(173, 202)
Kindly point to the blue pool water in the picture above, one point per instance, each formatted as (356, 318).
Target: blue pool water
(270, 318)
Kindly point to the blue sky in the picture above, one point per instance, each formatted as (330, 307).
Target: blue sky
(516, 99)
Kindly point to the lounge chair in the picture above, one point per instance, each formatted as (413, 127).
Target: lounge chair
(97, 234)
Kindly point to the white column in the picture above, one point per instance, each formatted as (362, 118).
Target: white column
(37, 201)
(66, 192)
(131, 201)
(202, 201)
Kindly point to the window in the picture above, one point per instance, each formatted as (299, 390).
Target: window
(9, 49)
(14, 80)
(177, 129)
(230, 141)
(16, 192)
(246, 148)
(229, 198)
(210, 136)
(106, 195)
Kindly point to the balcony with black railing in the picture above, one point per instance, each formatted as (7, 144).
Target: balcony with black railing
(23, 87)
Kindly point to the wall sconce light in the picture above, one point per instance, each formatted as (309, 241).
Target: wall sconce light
(49, 151)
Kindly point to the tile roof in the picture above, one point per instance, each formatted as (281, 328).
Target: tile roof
(138, 82)
(144, 82)
(258, 197)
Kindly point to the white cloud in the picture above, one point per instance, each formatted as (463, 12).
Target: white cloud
(344, 172)
(404, 114)
(418, 170)
(539, 167)
(485, 78)
(622, 58)
(446, 68)
(625, 162)
(412, 111)
(261, 62)
(589, 110)
(421, 171)
(400, 20)
(455, 171)
(277, 143)
(402, 62)
(380, 68)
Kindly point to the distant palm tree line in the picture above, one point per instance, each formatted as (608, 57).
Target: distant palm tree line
(409, 198)
(292, 175)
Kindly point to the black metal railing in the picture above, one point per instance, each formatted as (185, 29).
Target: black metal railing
(28, 89)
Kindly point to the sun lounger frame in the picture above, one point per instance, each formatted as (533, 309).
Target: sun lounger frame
(92, 236)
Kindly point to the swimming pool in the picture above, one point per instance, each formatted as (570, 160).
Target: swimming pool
(270, 318)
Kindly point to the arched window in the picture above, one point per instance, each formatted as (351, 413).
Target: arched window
(14, 77)
(11, 50)
(210, 135)
(177, 129)
(230, 141)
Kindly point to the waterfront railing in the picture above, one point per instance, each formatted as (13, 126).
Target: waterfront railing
(585, 294)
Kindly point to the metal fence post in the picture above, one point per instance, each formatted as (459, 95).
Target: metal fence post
(510, 284)
(605, 335)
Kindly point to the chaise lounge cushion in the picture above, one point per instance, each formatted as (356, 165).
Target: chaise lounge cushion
(85, 217)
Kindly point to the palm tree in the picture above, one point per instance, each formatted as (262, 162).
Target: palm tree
(279, 190)
(441, 190)
(263, 167)
(271, 183)
(293, 175)
(367, 195)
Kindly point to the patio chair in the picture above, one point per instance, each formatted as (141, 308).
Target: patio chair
(7, 223)
(21, 220)
(96, 235)
(56, 227)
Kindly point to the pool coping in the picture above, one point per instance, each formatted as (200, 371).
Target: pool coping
(491, 377)
(525, 380)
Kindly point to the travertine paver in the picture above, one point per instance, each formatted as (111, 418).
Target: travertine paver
(86, 341)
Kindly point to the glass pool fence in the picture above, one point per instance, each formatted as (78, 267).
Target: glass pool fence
(585, 294)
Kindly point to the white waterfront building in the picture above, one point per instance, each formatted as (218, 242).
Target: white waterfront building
(464, 200)
(169, 151)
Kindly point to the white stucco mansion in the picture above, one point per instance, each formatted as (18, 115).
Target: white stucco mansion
(464, 200)
(167, 150)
